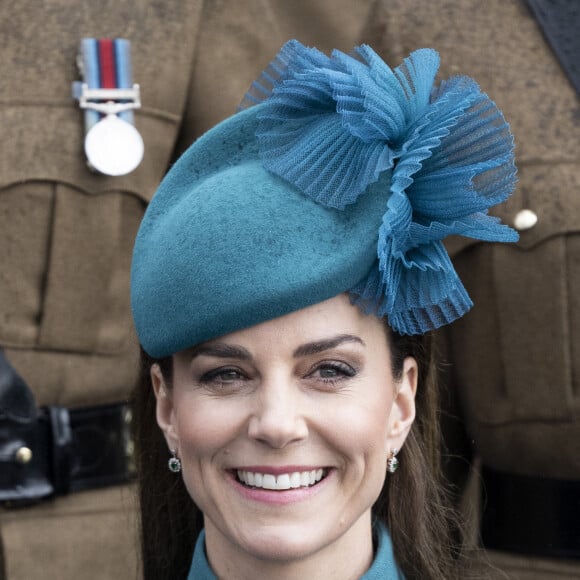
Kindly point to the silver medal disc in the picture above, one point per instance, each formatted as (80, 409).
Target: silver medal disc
(113, 146)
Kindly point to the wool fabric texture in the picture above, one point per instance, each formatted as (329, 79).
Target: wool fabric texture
(338, 175)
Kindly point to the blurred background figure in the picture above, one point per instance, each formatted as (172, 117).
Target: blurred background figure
(68, 358)
(515, 359)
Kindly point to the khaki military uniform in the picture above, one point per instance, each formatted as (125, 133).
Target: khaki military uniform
(516, 355)
(66, 234)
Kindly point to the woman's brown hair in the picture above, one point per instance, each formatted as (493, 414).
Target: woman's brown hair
(412, 502)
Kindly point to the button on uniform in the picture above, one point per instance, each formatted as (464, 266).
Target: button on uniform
(23, 455)
(525, 219)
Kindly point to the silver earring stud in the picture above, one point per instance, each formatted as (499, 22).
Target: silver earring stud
(174, 462)
(392, 461)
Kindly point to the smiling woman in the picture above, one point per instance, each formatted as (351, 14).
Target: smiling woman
(285, 280)
(283, 439)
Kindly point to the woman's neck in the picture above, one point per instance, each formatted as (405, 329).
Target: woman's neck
(347, 557)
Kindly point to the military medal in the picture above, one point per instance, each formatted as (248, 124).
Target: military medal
(113, 145)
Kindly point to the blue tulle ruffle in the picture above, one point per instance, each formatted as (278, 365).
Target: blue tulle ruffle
(332, 125)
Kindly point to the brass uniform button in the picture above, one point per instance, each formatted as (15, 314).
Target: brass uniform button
(23, 455)
(525, 219)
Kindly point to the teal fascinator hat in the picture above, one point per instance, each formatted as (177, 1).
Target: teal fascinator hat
(338, 174)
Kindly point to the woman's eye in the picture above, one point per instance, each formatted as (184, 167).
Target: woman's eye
(222, 375)
(331, 372)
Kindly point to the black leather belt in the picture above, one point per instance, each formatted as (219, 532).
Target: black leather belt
(534, 516)
(53, 450)
(64, 450)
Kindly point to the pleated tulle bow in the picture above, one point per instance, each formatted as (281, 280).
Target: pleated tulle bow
(333, 125)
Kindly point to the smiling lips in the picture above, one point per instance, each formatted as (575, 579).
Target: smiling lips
(282, 482)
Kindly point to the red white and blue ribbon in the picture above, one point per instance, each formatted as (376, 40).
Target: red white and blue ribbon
(106, 64)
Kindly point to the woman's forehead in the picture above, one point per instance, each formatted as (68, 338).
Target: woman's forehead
(328, 324)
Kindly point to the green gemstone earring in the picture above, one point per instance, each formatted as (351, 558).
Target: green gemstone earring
(392, 461)
(174, 462)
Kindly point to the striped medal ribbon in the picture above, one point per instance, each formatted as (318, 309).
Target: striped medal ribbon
(113, 145)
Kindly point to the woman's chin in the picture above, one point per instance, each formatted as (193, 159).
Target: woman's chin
(281, 545)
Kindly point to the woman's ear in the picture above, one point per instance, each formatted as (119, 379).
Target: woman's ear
(403, 411)
(164, 410)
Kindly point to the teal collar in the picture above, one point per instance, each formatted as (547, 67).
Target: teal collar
(383, 567)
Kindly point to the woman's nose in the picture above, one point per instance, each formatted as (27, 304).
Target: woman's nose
(278, 419)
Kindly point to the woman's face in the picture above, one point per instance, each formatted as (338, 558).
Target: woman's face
(284, 429)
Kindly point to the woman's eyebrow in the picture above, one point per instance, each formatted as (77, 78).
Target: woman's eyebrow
(221, 350)
(326, 344)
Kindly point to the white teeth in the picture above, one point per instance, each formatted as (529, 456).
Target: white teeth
(283, 481)
(269, 481)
